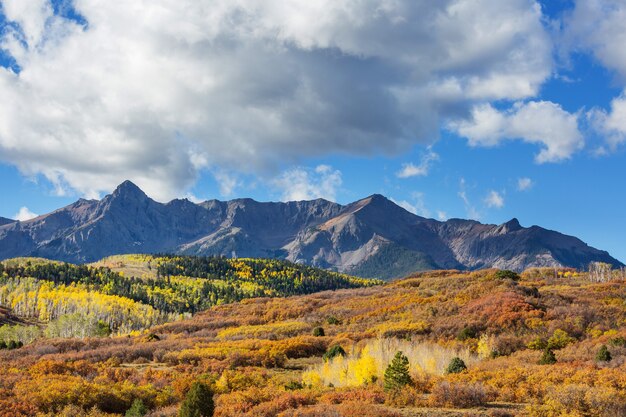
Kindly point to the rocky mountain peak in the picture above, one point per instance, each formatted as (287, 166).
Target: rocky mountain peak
(125, 195)
(512, 225)
(378, 200)
(128, 189)
(380, 209)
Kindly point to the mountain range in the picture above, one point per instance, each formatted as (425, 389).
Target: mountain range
(372, 237)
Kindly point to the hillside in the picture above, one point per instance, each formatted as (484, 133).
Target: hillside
(129, 293)
(4, 221)
(261, 359)
(372, 237)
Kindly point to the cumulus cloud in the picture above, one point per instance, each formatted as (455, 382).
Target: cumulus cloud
(494, 199)
(524, 184)
(411, 170)
(158, 90)
(539, 122)
(611, 124)
(597, 27)
(24, 214)
(307, 184)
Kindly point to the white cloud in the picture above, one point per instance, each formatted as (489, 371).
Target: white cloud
(494, 199)
(524, 184)
(170, 88)
(305, 184)
(597, 27)
(611, 124)
(411, 170)
(539, 122)
(31, 15)
(24, 214)
(616, 120)
(442, 216)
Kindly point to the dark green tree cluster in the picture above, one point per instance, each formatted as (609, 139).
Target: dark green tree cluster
(189, 298)
(507, 274)
(11, 344)
(283, 277)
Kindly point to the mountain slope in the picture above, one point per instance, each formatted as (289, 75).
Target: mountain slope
(371, 237)
(157, 290)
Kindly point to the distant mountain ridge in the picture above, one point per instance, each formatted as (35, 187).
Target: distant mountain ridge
(371, 237)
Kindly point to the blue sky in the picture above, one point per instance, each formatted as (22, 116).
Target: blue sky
(486, 110)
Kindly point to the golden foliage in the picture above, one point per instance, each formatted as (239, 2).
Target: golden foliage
(260, 359)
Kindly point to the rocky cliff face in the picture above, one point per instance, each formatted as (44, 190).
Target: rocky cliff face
(4, 221)
(370, 237)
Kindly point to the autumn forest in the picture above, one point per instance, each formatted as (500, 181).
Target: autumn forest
(175, 336)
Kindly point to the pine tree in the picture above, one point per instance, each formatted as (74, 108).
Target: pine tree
(138, 409)
(333, 351)
(397, 373)
(318, 332)
(548, 357)
(456, 366)
(198, 402)
(603, 354)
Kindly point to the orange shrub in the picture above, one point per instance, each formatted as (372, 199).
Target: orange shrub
(502, 311)
(457, 395)
(350, 409)
(370, 395)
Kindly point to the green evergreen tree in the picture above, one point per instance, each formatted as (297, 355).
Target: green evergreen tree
(506, 274)
(456, 366)
(138, 409)
(397, 373)
(333, 351)
(103, 329)
(467, 333)
(603, 354)
(318, 332)
(198, 402)
(548, 357)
